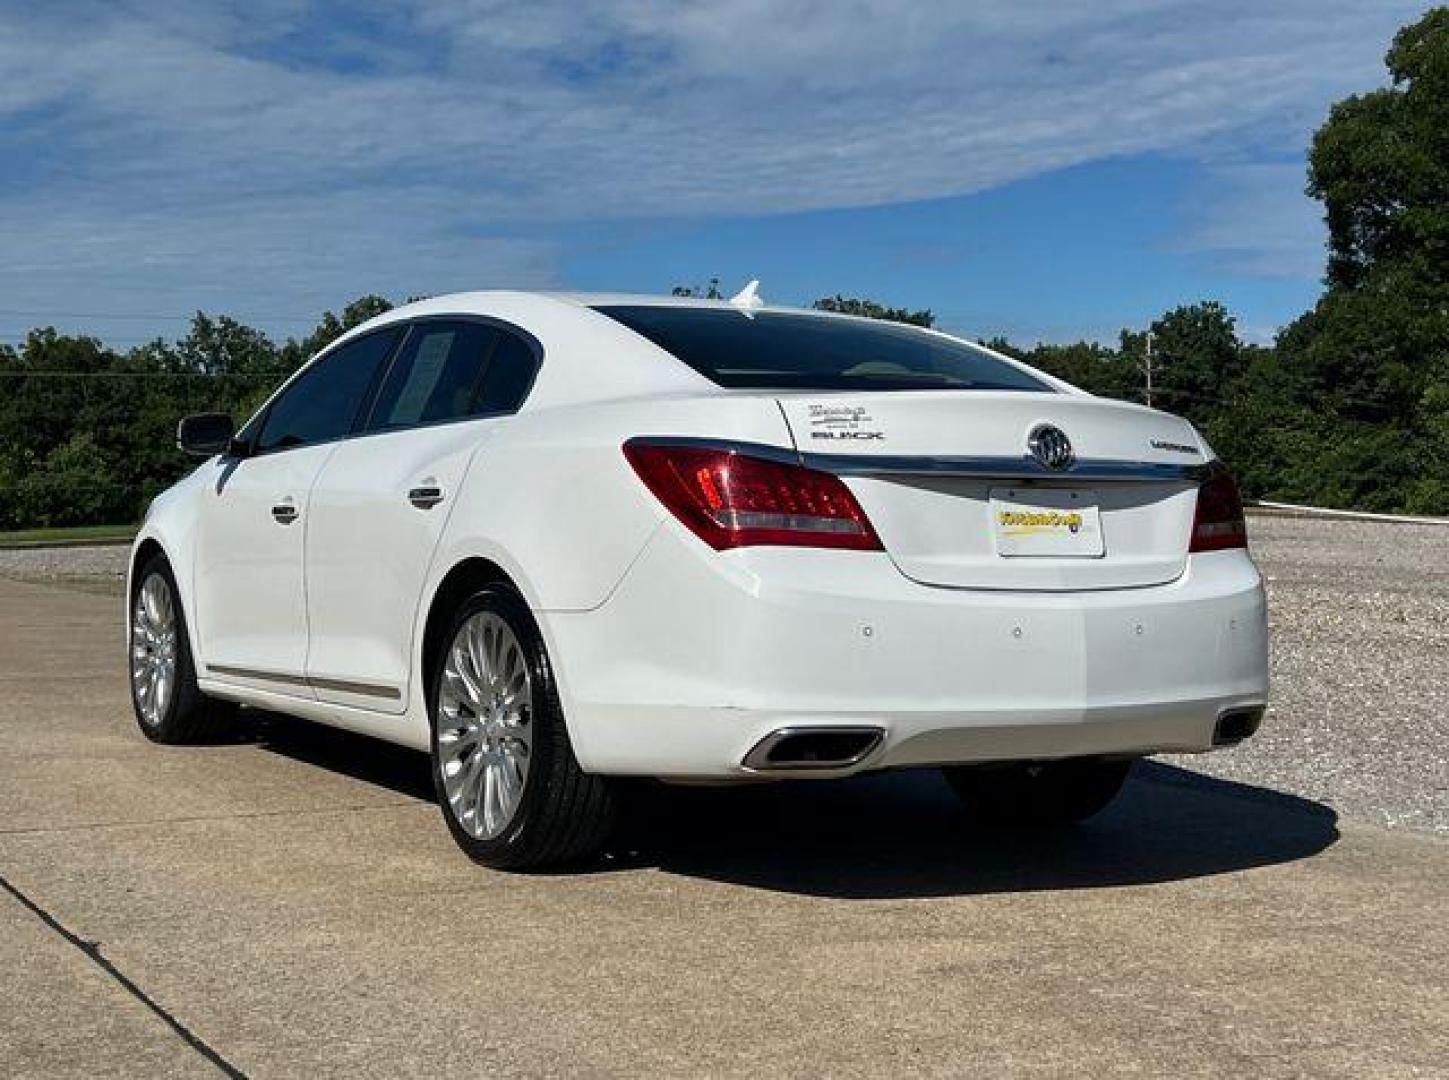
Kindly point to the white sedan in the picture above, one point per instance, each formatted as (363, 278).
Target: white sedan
(557, 540)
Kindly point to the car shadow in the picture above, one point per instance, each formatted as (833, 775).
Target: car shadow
(903, 834)
(894, 835)
(372, 761)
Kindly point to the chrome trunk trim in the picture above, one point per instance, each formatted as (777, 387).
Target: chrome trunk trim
(1003, 468)
(1097, 470)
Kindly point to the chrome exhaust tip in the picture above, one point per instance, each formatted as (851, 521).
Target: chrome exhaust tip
(1235, 725)
(814, 748)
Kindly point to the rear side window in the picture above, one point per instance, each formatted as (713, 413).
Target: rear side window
(324, 401)
(436, 375)
(788, 351)
(509, 376)
(449, 370)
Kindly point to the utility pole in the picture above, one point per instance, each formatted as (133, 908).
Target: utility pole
(1147, 368)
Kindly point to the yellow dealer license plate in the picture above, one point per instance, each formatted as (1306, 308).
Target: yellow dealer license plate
(1046, 522)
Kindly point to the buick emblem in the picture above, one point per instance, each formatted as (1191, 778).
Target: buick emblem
(1050, 446)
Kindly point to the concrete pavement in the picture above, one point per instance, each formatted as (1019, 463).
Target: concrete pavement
(291, 904)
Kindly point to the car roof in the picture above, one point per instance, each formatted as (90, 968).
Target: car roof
(575, 334)
(621, 299)
(485, 301)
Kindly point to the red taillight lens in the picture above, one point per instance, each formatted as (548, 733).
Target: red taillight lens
(1218, 523)
(729, 499)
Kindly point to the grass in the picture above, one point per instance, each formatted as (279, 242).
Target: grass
(78, 534)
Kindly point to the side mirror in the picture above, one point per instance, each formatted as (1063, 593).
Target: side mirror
(205, 434)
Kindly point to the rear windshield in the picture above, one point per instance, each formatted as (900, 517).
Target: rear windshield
(784, 351)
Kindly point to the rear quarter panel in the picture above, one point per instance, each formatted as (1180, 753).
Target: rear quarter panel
(555, 504)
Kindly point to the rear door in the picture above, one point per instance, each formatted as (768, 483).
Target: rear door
(382, 500)
(949, 480)
(250, 596)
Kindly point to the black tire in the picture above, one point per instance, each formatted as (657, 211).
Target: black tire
(188, 716)
(564, 814)
(1037, 794)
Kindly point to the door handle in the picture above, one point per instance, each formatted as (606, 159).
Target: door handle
(425, 496)
(285, 512)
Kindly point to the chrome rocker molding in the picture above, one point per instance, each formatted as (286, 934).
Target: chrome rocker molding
(789, 748)
(994, 468)
(341, 685)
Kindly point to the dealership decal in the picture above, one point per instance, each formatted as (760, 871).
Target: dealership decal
(1030, 522)
(842, 422)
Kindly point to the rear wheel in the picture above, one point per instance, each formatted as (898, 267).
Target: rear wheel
(169, 707)
(1037, 794)
(510, 788)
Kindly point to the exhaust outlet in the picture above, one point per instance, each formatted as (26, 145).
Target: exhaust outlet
(1235, 725)
(814, 748)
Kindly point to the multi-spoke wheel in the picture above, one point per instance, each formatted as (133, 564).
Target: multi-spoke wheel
(484, 707)
(510, 788)
(169, 706)
(153, 648)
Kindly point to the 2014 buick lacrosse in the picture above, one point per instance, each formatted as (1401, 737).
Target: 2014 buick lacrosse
(558, 540)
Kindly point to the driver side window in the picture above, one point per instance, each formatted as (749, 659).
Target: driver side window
(323, 402)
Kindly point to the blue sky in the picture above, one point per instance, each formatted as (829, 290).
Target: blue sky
(1047, 171)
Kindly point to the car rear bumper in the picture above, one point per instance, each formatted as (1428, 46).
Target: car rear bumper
(698, 656)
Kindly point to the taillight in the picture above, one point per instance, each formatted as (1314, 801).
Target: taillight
(1218, 522)
(729, 499)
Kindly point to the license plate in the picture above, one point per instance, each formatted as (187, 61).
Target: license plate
(1048, 522)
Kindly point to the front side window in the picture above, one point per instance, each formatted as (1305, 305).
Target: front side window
(777, 350)
(324, 401)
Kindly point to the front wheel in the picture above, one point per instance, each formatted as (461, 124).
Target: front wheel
(1037, 794)
(169, 706)
(511, 790)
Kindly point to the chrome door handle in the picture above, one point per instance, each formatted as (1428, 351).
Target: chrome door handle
(285, 513)
(426, 496)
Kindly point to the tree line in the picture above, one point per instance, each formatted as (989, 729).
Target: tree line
(1348, 408)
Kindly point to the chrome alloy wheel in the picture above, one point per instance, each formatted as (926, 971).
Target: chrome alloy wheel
(153, 648)
(484, 723)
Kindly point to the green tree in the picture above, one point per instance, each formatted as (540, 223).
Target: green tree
(223, 346)
(1371, 358)
(1196, 357)
(331, 327)
(870, 309)
(1095, 368)
(1381, 166)
(75, 484)
(704, 292)
(87, 434)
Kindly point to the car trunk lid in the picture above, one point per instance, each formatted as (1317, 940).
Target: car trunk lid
(959, 501)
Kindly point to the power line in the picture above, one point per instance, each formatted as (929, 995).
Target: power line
(16, 341)
(42, 314)
(144, 374)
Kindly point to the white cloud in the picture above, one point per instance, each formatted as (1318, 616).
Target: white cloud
(232, 128)
(1255, 219)
(274, 262)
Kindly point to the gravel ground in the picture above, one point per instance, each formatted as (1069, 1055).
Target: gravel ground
(1360, 628)
(99, 568)
(1359, 623)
